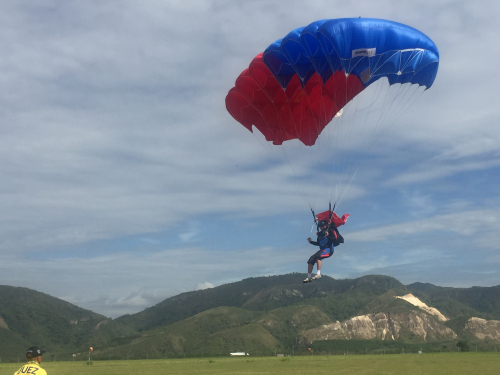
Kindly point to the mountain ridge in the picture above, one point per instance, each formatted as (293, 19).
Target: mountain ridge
(259, 314)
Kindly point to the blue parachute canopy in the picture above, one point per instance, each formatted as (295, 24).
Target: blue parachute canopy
(365, 47)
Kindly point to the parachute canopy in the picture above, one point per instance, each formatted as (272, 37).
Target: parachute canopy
(299, 83)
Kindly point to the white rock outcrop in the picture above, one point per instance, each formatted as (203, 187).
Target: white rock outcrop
(384, 326)
(484, 329)
(3, 324)
(416, 302)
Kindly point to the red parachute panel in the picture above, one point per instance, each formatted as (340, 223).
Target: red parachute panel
(293, 113)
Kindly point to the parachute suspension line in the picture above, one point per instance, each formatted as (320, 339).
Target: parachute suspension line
(381, 93)
(268, 146)
(392, 108)
(356, 130)
(401, 105)
(345, 190)
(299, 187)
(385, 120)
(358, 127)
(383, 96)
(340, 162)
(341, 166)
(330, 139)
(383, 109)
(314, 216)
(315, 221)
(318, 152)
(333, 136)
(404, 103)
(265, 145)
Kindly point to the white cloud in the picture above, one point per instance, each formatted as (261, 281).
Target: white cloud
(437, 171)
(205, 285)
(465, 223)
(121, 283)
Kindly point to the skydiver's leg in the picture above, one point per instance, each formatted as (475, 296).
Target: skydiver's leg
(318, 266)
(314, 259)
(309, 271)
(309, 268)
(310, 264)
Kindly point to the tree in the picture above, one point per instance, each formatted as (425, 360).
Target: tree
(463, 346)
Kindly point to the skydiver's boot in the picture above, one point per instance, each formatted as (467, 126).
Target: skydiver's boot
(316, 277)
(307, 280)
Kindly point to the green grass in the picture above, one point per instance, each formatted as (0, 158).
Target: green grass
(399, 364)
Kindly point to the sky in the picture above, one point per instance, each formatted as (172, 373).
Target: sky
(124, 180)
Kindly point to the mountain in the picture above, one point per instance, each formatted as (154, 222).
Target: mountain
(28, 317)
(401, 322)
(264, 294)
(289, 315)
(477, 301)
(262, 315)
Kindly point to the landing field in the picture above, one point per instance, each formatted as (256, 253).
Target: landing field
(397, 364)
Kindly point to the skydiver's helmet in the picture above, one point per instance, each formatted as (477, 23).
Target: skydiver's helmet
(322, 223)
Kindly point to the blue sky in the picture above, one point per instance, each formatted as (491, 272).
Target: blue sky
(125, 181)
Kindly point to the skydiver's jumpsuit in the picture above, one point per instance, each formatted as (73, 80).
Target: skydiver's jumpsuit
(326, 248)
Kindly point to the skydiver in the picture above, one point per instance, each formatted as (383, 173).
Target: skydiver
(326, 241)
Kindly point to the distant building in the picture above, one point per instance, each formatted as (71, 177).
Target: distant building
(238, 354)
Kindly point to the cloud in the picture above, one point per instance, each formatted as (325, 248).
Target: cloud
(205, 285)
(114, 136)
(191, 234)
(436, 171)
(465, 223)
(121, 283)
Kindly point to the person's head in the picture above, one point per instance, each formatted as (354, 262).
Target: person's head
(34, 354)
(323, 224)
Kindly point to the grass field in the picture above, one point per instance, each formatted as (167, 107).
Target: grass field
(399, 364)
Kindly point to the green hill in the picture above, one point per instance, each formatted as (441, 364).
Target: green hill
(188, 304)
(34, 318)
(263, 294)
(223, 330)
(211, 331)
(483, 302)
(260, 315)
(267, 319)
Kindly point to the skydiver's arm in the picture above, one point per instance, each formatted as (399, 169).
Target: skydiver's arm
(312, 242)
